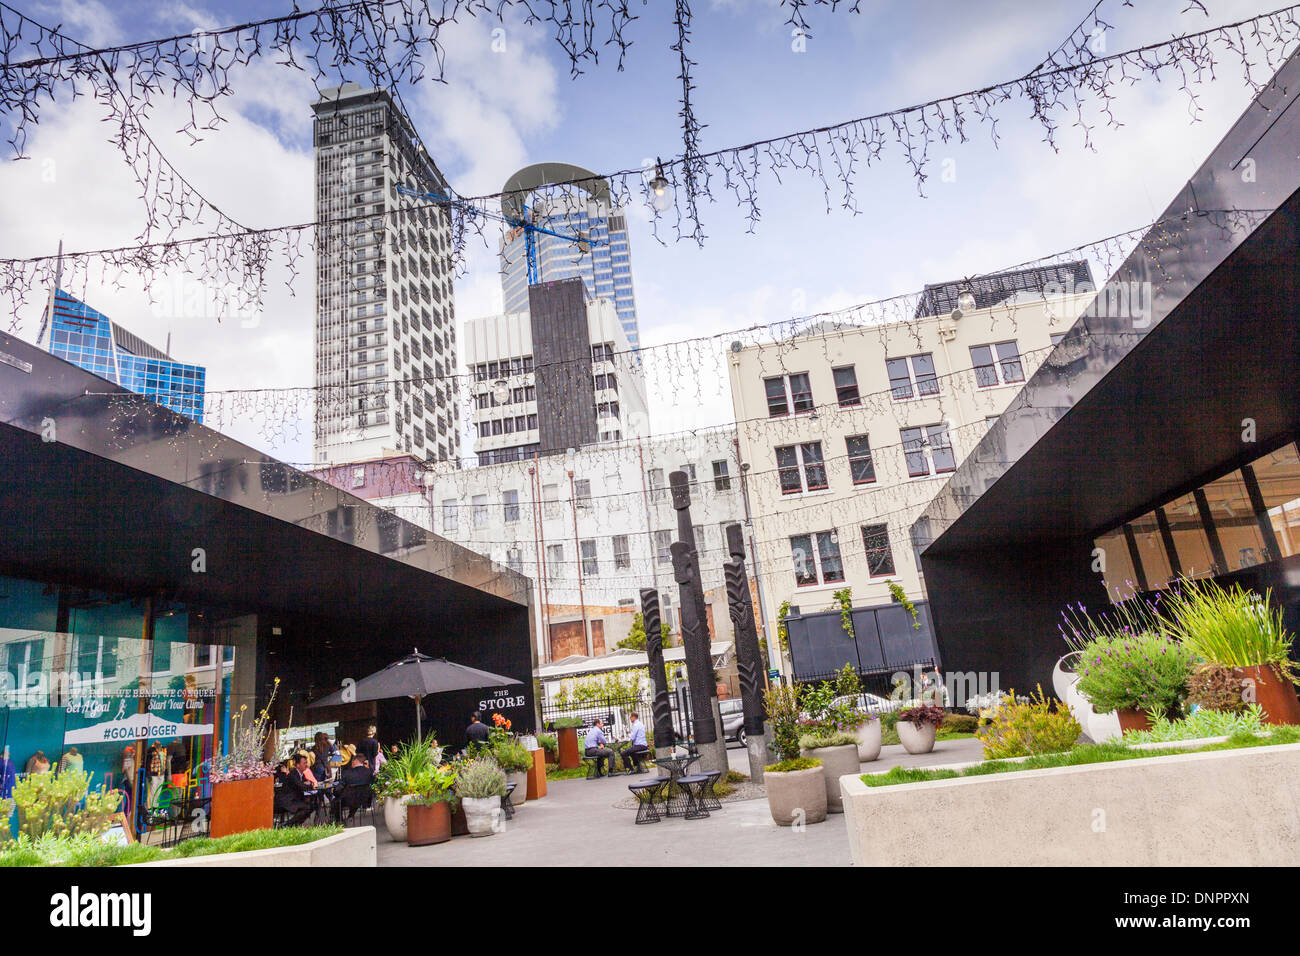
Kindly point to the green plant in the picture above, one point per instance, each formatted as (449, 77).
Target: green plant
(6, 813)
(782, 632)
(1215, 687)
(567, 723)
(63, 805)
(782, 703)
(900, 596)
(959, 724)
(833, 739)
(1232, 627)
(1144, 670)
(435, 786)
(548, 742)
(480, 777)
(409, 768)
(246, 759)
(847, 682)
(790, 765)
(843, 599)
(636, 635)
(921, 714)
(512, 756)
(1022, 728)
(1201, 723)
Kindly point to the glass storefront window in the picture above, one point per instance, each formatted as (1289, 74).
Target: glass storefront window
(1278, 474)
(1151, 550)
(1118, 574)
(1195, 559)
(1234, 519)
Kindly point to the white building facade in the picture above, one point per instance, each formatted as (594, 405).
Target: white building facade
(847, 434)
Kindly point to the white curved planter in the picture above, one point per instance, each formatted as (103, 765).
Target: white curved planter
(520, 793)
(481, 814)
(836, 762)
(1099, 727)
(868, 735)
(395, 816)
(916, 738)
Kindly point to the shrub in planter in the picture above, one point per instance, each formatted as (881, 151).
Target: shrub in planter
(917, 725)
(1215, 687)
(516, 762)
(1236, 628)
(407, 772)
(1021, 728)
(428, 812)
(796, 789)
(480, 785)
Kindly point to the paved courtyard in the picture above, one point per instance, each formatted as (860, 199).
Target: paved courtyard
(578, 824)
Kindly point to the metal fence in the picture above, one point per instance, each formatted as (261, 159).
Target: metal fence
(613, 711)
(878, 682)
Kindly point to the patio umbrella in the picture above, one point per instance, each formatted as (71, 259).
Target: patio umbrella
(416, 675)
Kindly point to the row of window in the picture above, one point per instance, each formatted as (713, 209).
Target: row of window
(912, 376)
(817, 561)
(801, 468)
(507, 426)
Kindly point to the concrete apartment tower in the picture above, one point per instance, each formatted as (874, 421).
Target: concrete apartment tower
(385, 320)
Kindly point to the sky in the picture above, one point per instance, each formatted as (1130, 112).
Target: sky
(510, 101)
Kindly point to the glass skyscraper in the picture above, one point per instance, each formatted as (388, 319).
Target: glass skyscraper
(603, 263)
(90, 340)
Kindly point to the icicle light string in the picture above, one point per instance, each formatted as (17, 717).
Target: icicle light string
(280, 409)
(235, 265)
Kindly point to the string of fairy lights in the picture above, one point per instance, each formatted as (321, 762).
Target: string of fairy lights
(235, 263)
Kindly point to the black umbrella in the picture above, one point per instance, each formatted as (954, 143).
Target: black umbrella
(415, 675)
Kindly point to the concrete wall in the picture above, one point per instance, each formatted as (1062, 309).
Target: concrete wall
(355, 847)
(1224, 808)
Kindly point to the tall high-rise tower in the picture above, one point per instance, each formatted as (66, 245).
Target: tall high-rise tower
(579, 208)
(385, 323)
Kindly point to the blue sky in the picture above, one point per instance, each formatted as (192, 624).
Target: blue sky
(501, 111)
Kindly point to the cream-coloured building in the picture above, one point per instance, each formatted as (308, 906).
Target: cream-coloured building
(847, 432)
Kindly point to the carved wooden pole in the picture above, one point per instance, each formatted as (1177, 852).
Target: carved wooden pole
(681, 491)
(654, 649)
(695, 640)
(749, 658)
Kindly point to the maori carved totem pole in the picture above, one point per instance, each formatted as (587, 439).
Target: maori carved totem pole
(699, 663)
(654, 649)
(749, 657)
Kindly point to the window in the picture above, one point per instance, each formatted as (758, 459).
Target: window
(1006, 368)
(515, 559)
(860, 465)
(449, 522)
(921, 446)
(510, 505)
(912, 376)
(875, 542)
(480, 503)
(690, 472)
(622, 556)
(801, 468)
(551, 500)
(554, 561)
(655, 482)
(1056, 338)
(721, 479)
(663, 547)
(582, 494)
(846, 386)
(786, 392)
(816, 558)
(590, 562)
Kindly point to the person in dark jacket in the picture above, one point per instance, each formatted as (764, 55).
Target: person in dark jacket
(292, 796)
(368, 746)
(477, 732)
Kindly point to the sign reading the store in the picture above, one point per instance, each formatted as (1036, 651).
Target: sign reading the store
(502, 699)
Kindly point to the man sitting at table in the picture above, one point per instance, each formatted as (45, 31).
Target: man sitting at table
(291, 797)
(636, 746)
(596, 744)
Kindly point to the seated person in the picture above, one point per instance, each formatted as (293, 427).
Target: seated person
(307, 773)
(292, 797)
(634, 755)
(357, 779)
(597, 745)
(477, 732)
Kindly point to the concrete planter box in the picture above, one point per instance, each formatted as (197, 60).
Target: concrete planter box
(797, 796)
(836, 762)
(354, 847)
(1222, 808)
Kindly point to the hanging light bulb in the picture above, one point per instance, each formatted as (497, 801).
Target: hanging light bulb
(661, 193)
(966, 300)
(501, 391)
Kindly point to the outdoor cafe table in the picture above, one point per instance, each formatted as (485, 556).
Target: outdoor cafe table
(676, 766)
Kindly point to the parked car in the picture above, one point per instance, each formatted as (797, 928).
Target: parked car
(733, 719)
